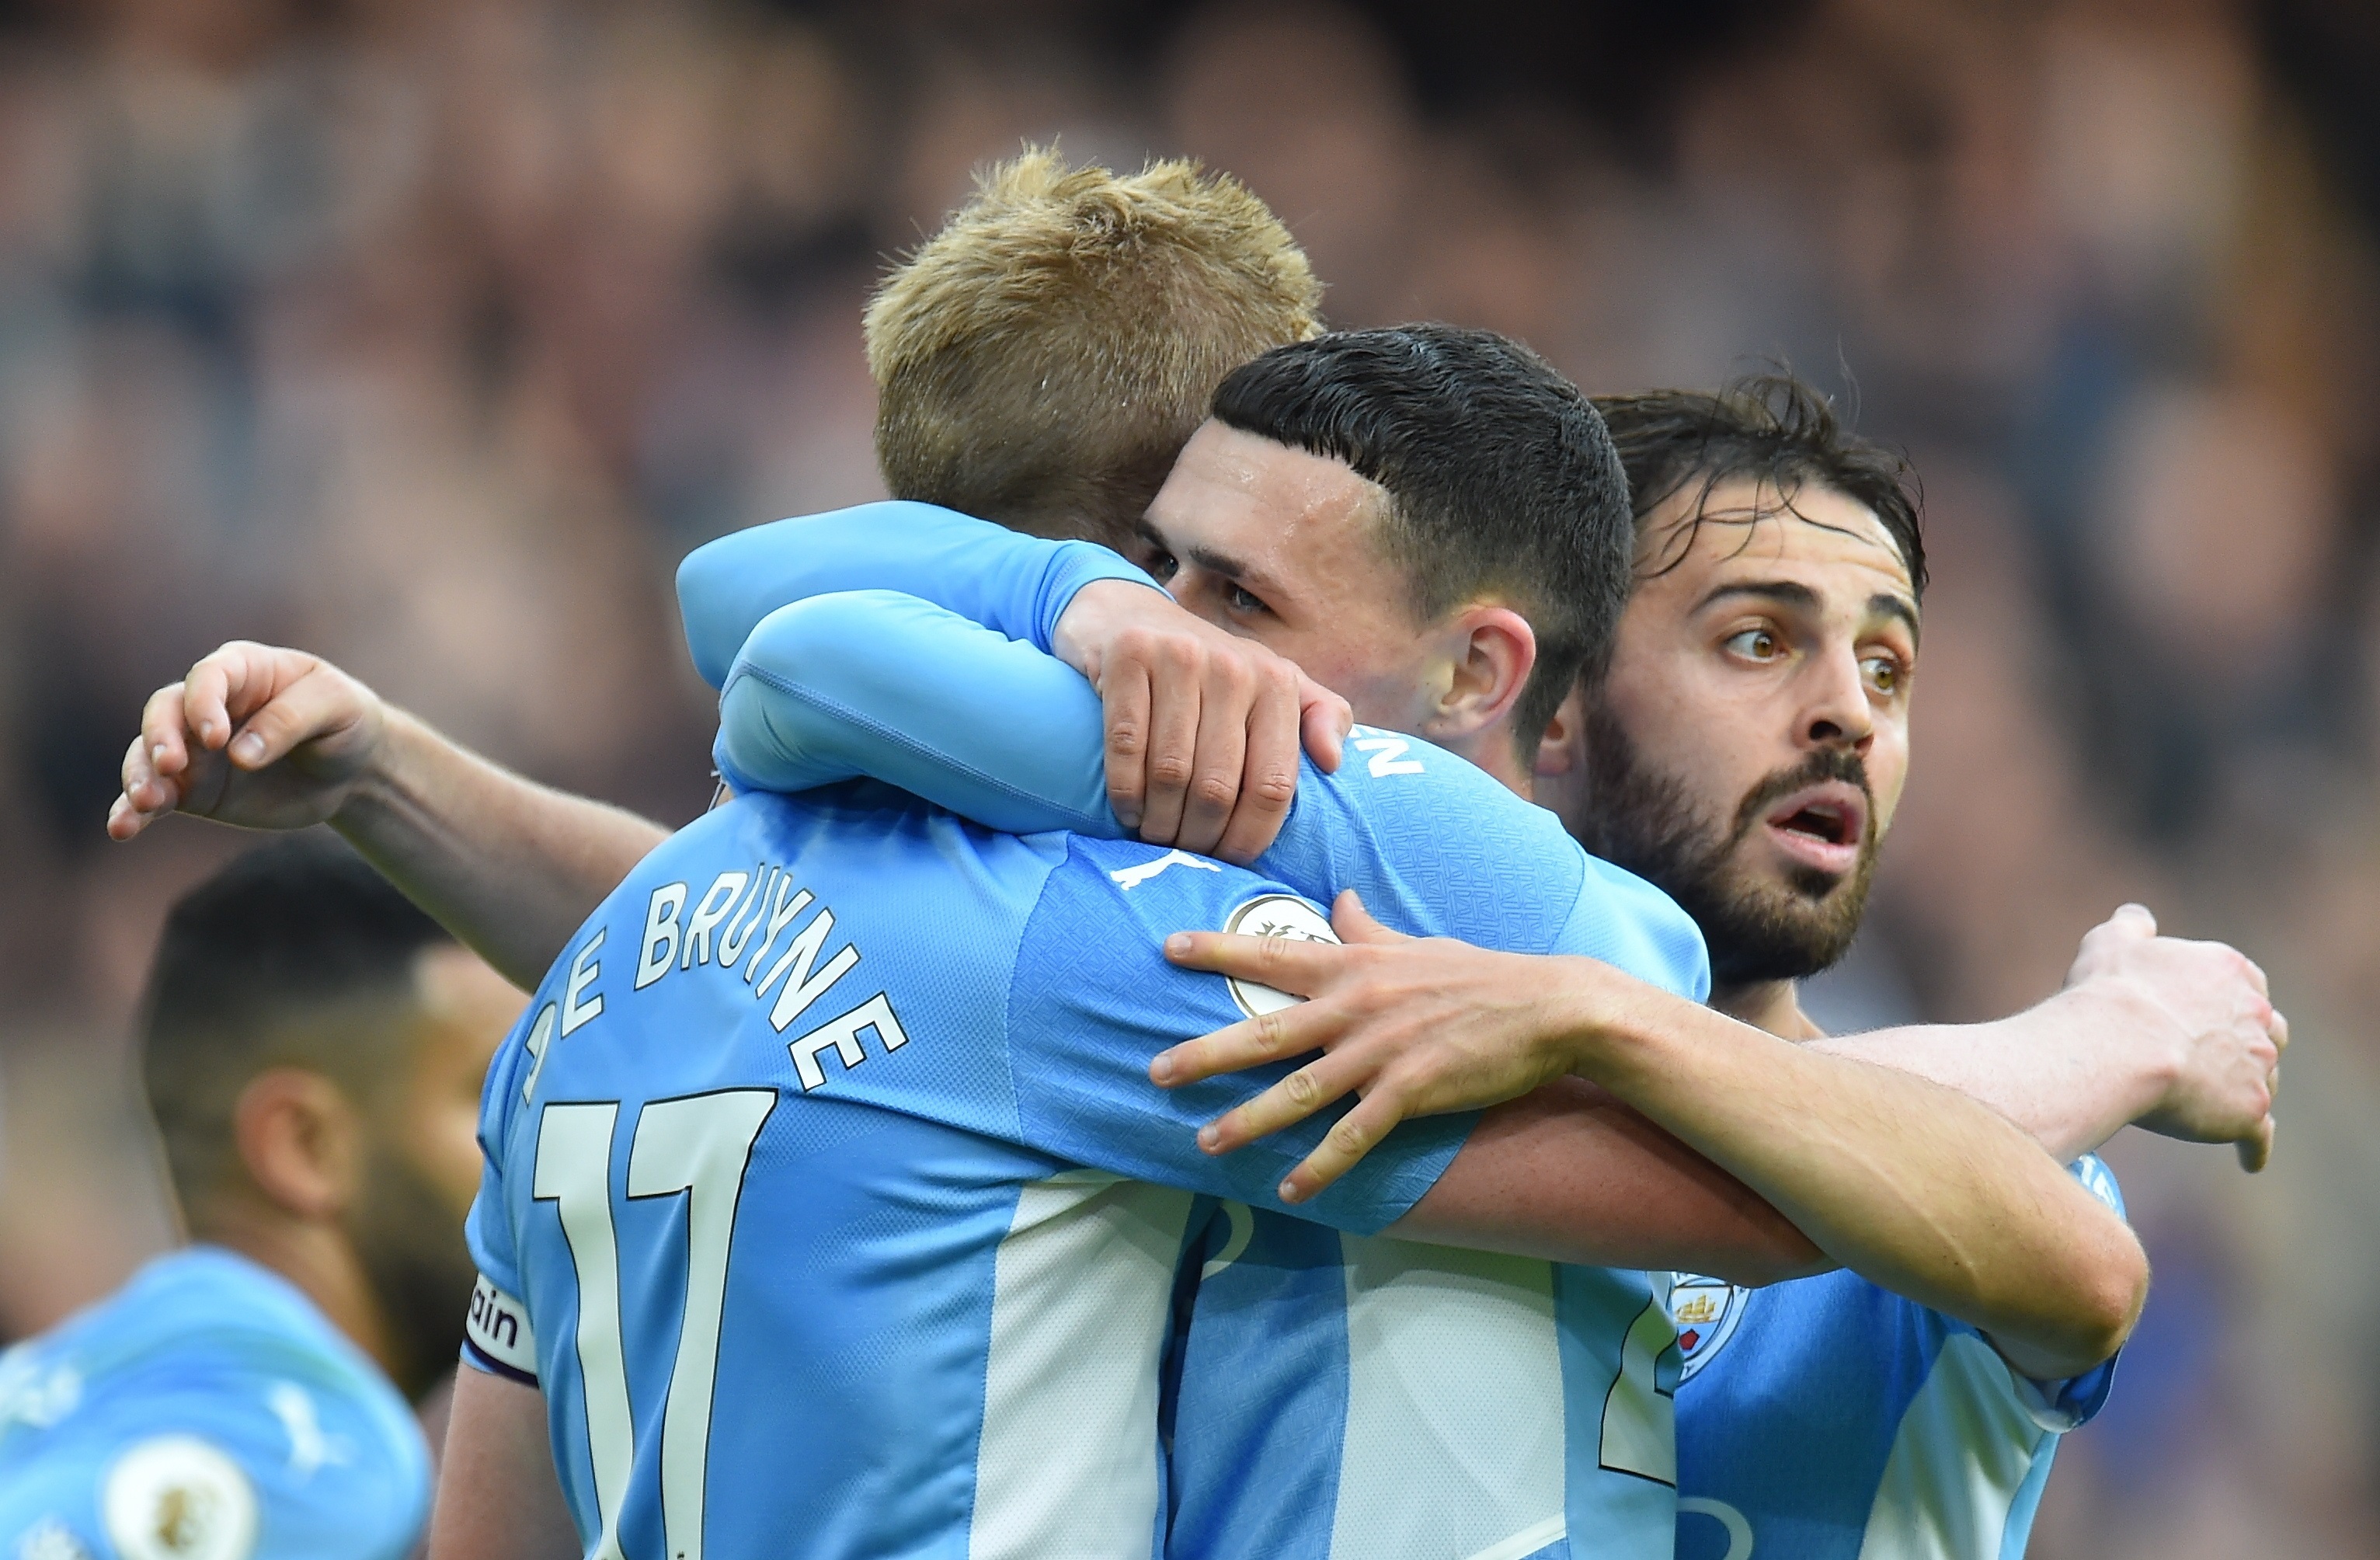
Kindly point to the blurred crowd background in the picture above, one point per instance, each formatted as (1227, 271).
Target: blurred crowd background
(428, 334)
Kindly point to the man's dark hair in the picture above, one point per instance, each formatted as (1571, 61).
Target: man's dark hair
(1769, 428)
(1501, 480)
(291, 955)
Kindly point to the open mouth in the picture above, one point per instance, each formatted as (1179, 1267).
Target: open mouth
(1822, 826)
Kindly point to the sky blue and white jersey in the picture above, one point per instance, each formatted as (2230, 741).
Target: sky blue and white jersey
(816, 1193)
(1336, 1393)
(205, 1411)
(1827, 1419)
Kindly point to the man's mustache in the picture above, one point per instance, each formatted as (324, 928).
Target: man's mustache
(1826, 763)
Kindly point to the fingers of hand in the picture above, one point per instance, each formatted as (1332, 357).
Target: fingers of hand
(2135, 918)
(1227, 700)
(315, 704)
(1173, 745)
(2256, 1149)
(1350, 1138)
(164, 729)
(1354, 924)
(1284, 1105)
(1324, 721)
(227, 686)
(1251, 1042)
(1123, 688)
(1284, 963)
(1268, 779)
(144, 790)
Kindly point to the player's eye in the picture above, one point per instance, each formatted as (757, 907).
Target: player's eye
(1241, 599)
(1755, 644)
(1162, 566)
(1884, 674)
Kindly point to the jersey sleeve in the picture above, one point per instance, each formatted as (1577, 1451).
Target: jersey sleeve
(1625, 921)
(226, 1471)
(2076, 1400)
(1093, 999)
(496, 1336)
(1015, 585)
(876, 684)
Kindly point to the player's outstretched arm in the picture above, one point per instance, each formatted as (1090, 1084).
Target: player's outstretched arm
(1000, 732)
(271, 738)
(1918, 1188)
(498, 1497)
(1203, 728)
(2179, 1037)
(966, 718)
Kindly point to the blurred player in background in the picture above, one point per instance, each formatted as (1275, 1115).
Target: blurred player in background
(313, 1047)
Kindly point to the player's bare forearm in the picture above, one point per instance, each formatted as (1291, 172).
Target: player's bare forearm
(2178, 1036)
(2071, 1072)
(509, 866)
(1917, 1188)
(498, 1496)
(1572, 1175)
(266, 737)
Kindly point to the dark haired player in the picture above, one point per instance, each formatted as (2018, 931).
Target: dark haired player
(312, 1047)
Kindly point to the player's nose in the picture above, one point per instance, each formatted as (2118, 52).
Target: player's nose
(1836, 713)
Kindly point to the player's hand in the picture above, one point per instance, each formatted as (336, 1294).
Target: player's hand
(1203, 726)
(2227, 1036)
(261, 737)
(1416, 1027)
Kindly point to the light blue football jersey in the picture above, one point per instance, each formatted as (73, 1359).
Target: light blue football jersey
(205, 1411)
(813, 1194)
(1335, 1392)
(1827, 1419)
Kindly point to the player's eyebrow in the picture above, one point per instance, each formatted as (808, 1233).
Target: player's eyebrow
(1237, 570)
(1884, 603)
(1792, 592)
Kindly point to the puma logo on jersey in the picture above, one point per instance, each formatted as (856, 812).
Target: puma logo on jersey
(1133, 877)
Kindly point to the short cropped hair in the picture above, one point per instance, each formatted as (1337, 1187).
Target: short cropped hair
(1501, 482)
(1043, 360)
(1771, 428)
(291, 955)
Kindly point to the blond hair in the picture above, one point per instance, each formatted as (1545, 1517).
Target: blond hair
(1043, 360)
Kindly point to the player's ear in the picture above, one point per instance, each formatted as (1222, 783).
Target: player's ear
(1560, 751)
(300, 1141)
(1491, 650)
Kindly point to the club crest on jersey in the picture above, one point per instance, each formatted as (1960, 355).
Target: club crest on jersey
(177, 1498)
(1274, 915)
(1707, 1312)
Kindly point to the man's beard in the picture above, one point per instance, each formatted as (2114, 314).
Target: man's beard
(1635, 816)
(411, 1247)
